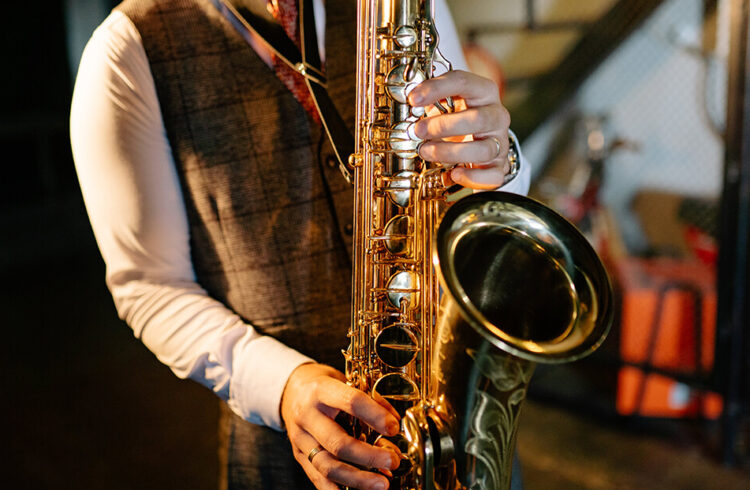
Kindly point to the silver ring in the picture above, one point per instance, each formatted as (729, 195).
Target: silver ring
(499, 146)
(314, 452)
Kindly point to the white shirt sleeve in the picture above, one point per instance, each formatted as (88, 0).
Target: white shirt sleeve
(133, 197)
(449, 43)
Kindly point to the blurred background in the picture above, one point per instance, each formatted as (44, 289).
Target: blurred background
(634, 115)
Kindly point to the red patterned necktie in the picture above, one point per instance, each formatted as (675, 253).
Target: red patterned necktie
(285, 12)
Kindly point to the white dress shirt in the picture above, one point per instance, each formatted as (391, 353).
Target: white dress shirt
(133, 197)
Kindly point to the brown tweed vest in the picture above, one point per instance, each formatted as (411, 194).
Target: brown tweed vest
(269, 213)
(259, 190)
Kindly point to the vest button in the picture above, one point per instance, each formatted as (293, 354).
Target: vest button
(331, 161)
(348, 229)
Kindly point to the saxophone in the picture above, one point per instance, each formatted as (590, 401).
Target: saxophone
(520, 284)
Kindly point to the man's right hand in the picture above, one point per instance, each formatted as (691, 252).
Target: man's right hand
(313, 397)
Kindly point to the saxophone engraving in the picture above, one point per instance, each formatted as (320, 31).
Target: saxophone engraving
(494, 417)
(520, 285)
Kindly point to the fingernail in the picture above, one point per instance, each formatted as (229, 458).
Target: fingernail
(381, 485)
(395, 461)
(419, 130)
(392, 427)
(386, 462)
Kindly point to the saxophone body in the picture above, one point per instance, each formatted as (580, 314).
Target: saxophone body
(451, 309)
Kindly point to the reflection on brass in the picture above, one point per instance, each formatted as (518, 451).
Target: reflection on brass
(402, 79)
(398, 235)
(520, 285)
(402, 142)
(399, 188)
(403, 289)
(399, 390)
(396, 346)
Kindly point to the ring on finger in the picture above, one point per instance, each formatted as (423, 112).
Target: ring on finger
(497, 144)
(314, 452)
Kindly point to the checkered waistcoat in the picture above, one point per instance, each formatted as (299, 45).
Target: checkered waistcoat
(269, 213)
(268, 210)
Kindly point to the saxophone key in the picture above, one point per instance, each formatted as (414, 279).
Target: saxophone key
(396, 345)
(403, 286)
(403, 140)
(405, 36)
(398, 234)
(400, 391)
(401, 186)
(402, 79)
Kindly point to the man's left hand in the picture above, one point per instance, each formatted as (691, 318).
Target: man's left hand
(474, 136)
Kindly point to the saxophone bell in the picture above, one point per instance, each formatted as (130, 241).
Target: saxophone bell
(521, 286)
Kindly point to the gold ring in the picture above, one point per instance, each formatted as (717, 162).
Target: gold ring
(499, 146)
(314, 452)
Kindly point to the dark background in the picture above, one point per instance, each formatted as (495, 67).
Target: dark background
(84, 404)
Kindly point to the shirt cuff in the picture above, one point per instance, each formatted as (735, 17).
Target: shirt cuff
(522, 182)
(260, 375)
